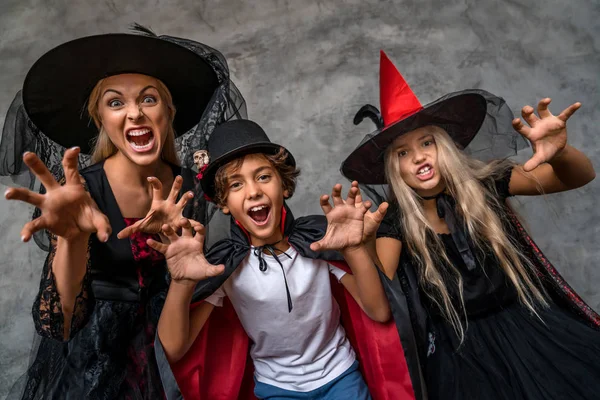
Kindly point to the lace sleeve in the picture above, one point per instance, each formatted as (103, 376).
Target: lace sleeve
(47, 311)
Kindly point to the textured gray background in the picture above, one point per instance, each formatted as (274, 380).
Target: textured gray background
(305, 67)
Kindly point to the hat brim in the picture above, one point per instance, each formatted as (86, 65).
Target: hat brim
(58, 85)
(208, 176)
(461, 116)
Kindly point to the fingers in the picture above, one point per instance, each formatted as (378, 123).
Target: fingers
(358, 193)
(177, 182)
(336, 194)
(169, 232)
(214, 270)
(130, 230)
(543, 108)
(367, 205)
(316, 246)
(22, 194)
(69, 164)
(32, 227)
(158, 246)
(186, 227)
(199, 229)
(528, 115)
(325, 205)
(40, 171)
(381, 211)
(351, 199)
(184, 200)
(566, 114)
(534, 162)
(520, 127)
(102, 225)
(156, 188)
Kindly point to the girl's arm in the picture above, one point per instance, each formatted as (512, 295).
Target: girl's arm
(555, 166)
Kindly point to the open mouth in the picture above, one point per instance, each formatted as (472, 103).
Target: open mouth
(260, 214)
(425, 172)
(141, 140)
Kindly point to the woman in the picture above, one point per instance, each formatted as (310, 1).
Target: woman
(102, 287)
(492, 317)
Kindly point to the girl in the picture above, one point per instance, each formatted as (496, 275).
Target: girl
(492, 317)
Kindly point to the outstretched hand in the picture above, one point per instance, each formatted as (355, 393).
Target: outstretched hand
(162, 211)
(345, 221)
(68, 211)
(372, 218)
(546, 133)
(185, 253)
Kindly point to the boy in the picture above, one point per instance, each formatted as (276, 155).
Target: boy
(276, 279)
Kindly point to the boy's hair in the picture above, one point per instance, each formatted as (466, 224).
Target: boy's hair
(287, 173)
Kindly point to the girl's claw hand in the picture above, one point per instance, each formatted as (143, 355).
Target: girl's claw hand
(546, 133)
(68, 211)
(185, 252)
(167, 211)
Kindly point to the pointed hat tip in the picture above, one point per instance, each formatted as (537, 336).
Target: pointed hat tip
(397, 100)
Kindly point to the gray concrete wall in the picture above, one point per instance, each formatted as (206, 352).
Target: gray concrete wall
(305, 67)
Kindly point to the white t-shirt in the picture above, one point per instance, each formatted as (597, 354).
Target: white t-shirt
(300, 350)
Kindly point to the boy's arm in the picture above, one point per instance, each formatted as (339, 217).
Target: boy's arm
(177, 326)
(365, 285)
(345, 226)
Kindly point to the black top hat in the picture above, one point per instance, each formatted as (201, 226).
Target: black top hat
(235, 139)
(58, 85)
(460, 114)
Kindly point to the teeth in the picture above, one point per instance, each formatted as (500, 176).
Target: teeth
(141, 147)
(424, 170)
(138, 132)
(257, 208)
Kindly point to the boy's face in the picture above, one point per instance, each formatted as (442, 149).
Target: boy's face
(255, 197)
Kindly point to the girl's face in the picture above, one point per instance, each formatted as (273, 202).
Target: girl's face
(134, 116)
(417, 158)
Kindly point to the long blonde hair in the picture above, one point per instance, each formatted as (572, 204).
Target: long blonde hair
(103, 147)
(469, 182)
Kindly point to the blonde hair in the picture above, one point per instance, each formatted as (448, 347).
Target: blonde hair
(103, 147)
(469, 182)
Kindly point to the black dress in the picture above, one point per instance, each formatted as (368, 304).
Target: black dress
(507, 352)
(110, 352)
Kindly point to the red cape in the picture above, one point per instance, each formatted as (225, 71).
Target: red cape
(218, 365)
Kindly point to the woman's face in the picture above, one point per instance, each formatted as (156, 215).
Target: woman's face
(417, 158)
(134, 116)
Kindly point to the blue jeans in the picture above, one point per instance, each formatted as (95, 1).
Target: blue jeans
(349, 385)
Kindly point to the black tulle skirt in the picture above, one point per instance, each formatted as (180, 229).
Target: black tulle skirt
(112, 357)
(511, 354)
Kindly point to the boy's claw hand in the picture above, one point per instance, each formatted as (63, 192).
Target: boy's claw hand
(546, 133)
(185, 253)
(345, 221)
(372, 219)
(166, 211)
